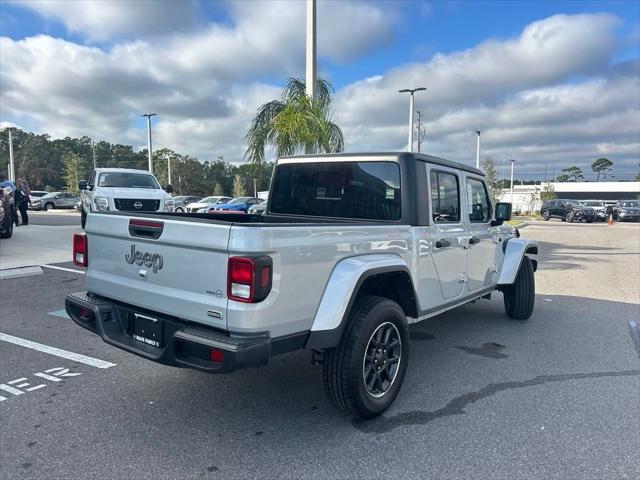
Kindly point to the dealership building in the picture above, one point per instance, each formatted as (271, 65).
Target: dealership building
(526, 198)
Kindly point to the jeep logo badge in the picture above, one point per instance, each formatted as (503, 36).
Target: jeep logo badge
(149, 260)
(138, 205)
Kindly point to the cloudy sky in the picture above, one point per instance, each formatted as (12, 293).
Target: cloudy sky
(549, 83)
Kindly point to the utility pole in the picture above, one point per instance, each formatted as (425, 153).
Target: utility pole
(169, 170)
(149, 115)
(512, 163)
(311, 71)
(411, 91)
(12, 171)
(93, 150)
(478, 150)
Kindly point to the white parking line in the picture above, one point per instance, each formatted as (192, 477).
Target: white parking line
(81, 272)
(94, 362)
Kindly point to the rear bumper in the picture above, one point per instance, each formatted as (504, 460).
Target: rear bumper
(184, 344)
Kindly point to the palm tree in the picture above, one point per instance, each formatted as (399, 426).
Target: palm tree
(295, 123)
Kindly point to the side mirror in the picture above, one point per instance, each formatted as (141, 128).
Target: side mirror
(168, 188)
(503, 214)
(82, 185)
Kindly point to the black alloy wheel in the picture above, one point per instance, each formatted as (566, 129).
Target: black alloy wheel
(382, 359)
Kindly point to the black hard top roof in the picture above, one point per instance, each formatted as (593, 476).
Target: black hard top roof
(406, 155)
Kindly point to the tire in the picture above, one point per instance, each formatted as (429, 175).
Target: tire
(344, 366)
(520, 297)
(83, 218)
(589, 220)
(47, 206)
(568, 217)
(545, 215)
(179, 210)
(7, 224)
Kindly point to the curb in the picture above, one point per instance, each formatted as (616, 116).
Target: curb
(20, 272)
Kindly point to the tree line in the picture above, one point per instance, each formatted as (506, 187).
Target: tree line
(58, 164)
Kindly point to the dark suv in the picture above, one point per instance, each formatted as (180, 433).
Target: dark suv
(567, 211)
(627, 210)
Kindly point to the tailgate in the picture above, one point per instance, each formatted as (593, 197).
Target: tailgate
(181, 272)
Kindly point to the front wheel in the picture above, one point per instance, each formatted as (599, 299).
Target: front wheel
(520, 297)
(179, 210)
(7, 228)
(47, 206)
(364, 373)
(568, 217)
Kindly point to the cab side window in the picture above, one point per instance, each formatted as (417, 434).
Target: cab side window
(445, 197)
(479, 206)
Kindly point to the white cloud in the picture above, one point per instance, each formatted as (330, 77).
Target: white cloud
(101, 20)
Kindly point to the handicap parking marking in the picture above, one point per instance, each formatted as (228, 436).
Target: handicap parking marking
(58, 352)
(18, 386)
(60, 313)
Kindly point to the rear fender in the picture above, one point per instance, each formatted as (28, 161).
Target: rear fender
(515, 250)
(341, 291)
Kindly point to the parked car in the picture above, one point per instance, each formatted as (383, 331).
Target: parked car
(55, 200)
(7, 211)
(599, 207)
(207, 203)
(181, 201)
(238, 204)
(334, 268)
(123, 189)
(567, 211)
(627, 210)
(36, 195)
(258, 208)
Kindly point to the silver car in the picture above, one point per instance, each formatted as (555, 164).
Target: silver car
(55, 200)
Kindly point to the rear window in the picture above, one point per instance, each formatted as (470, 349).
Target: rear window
(358, 190)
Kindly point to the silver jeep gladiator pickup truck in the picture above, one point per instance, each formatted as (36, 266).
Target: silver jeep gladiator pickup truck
(351, 250)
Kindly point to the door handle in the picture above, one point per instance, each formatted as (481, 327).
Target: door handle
(474, 240)
(442, 243)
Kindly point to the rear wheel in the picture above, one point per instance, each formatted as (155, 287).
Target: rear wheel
(179, 210)
(545, 215)
(568, 217)
(520, 297)
(364, 373)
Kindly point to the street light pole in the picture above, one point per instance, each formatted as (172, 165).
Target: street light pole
(478, 150)
(311, 71)
(149, 115)
(12, 172)
(512, 163)
(411, 91)
(169, 170)
(93, 150)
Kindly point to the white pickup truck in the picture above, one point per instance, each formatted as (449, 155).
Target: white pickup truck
(123, 189)
(351, 250)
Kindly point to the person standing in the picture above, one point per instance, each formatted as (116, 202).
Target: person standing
(22, 200)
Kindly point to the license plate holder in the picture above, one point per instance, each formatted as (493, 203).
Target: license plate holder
(147, 329)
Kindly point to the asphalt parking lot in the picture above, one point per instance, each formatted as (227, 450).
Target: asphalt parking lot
(485, 396)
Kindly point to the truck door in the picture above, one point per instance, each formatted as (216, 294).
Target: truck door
(481, 257)
(449, 233)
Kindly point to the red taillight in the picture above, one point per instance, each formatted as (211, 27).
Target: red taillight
(249, 279)
(80, 249)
